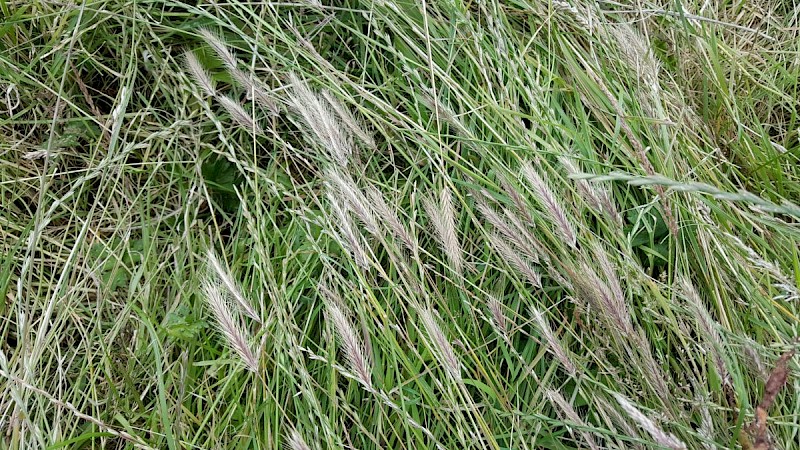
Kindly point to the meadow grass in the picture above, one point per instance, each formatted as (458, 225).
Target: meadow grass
(399, 224)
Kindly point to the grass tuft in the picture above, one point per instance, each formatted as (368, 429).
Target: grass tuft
(437, 224)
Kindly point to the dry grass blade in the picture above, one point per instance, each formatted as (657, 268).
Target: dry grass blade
(423, 161)
(135, 441)
(639, 150)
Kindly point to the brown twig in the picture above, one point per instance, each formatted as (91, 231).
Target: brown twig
(777, 379)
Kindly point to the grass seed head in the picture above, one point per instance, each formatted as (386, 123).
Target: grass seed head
(552, 205)
(320, 121)
(659, 436)
(239, 114)
(497, 315)
(295, 441)
(553, 344)
(229, 324)
(199, 74)
(234, 290)
(223, 52)
(443, 349)
(566, 410)
(353, 349)
(442, 216)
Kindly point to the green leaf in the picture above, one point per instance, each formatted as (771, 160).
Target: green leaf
(182, 325)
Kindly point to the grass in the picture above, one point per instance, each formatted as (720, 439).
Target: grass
(398, 224)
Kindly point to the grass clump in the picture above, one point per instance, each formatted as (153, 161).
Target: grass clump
(387, 224)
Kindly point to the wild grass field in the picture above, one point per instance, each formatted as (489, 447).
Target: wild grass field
(399, 224)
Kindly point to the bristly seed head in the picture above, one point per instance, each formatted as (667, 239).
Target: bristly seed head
(498, 316)
(553, 343)
(443, 350)
(355, 126)
(230, 325)
(239, 114)
(346, 233)
(512, 230)
(199, 74)
(352, 346)
(566, 410)
(442, 216)
(517, 261)
(342, 185)
(389, 216)
(255, 89)
(659, 436)
(320, 121)
(295, 441)
(215, 42)
(553, 207)
(594, 194)
(233, 288)
(708, 328)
